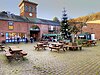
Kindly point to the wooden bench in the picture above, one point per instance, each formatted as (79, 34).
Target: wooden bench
(94, 43)
(45, 43)
(62, 42)
(36, 47)
(40, 46)
(8, 55)
(2, 47)
(74, 46)
(84, 43)
(52, 47)
(23, 53)
(80, 47)
(65, 47)
(89, 43)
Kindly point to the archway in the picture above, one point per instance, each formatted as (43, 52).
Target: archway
(34, 32)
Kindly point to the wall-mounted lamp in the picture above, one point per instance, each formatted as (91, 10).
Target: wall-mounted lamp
(2, 34)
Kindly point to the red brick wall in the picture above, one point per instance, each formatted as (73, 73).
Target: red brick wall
(3, 28)
(19, 27)
(22, 27)
(93, 28)
(44, 29)
(24, 13)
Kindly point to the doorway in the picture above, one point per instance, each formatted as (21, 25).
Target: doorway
(34, 34)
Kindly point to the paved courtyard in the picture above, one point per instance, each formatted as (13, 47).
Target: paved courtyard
(45, 62)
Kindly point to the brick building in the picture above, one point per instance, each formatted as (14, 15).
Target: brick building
(93, 27)
(25, 25)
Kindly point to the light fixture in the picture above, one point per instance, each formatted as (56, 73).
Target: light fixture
(66, 29)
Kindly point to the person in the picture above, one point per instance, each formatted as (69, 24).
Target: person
(3, 42)
(14, 40)
(26, 40)
(31, 39)
(18, 40)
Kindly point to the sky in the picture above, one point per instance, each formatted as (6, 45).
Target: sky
(48, 9)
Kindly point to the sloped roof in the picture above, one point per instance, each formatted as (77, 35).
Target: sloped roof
(95, 21)
(7, 16)
(31, 2)
(42, 21)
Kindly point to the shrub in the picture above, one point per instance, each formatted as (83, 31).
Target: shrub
(80, 41)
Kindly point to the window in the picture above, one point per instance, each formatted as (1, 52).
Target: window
(26, 8)
(34, 10)
(12, 37)
(30, 9)
(10, 25)
(52, 28)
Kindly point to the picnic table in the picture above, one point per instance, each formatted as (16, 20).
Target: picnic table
(44, 42)
(15, 53)
(72, 46)
(89, 43)
(62, 42)
(56, 46)
(40, 46)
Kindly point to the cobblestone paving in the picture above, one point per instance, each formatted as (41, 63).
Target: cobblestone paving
(45, 62)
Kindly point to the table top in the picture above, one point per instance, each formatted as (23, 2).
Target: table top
(56, 43)
(40, 43)
(14, 48)
(0, 44)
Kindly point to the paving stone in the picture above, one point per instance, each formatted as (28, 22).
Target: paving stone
(85, 62)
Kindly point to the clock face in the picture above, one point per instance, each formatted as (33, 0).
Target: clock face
(30, 14)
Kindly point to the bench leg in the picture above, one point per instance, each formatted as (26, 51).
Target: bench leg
(51, 49)
(58, 50)
(64, 49)
(44, 48)
(9, 59)
(35, 48)
(80, 48)
(2, 49)
(94, 44)
(38, 48)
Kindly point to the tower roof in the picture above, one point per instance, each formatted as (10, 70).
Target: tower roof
(26, 1)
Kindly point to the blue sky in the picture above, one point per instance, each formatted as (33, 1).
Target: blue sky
(47, 9)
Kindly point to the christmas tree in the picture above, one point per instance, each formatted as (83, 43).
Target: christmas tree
(64, 26)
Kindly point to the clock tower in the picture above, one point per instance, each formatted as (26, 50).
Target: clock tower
(28, 8)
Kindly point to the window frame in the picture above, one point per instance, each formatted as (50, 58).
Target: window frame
(10, 25)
